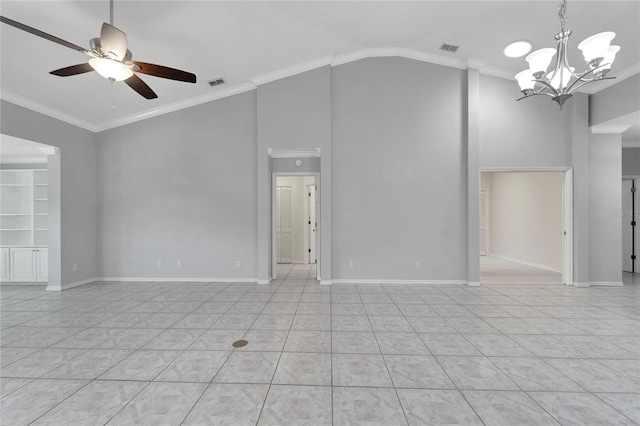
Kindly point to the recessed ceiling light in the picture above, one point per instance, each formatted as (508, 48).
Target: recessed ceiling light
(517, 48)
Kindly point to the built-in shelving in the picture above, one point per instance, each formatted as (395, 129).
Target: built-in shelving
(24, 207)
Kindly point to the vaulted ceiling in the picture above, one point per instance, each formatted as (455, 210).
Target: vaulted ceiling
(243, 42)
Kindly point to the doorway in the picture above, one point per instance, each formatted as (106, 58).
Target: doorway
(295, 227)
(525, 225)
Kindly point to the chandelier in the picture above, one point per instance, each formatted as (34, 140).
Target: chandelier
(562, 81)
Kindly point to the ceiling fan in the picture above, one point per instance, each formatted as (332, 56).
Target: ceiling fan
(110, 58)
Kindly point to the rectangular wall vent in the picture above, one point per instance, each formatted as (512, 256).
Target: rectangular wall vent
(449, 48)
(216, 82)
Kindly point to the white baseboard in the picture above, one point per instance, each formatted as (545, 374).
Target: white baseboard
(388, 282)
(71, 285)
(263, 282)
(581, 284)
(535, 265)
(326, 282)
(178, 280)
(607, 283)
(473, 284)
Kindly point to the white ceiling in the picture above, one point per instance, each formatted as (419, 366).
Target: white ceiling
(12, 147)
(242, 41)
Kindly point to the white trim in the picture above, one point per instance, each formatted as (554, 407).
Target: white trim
(51, 112)
(175, 106)
(606, 283)
(609, 129)
(498, 72)
(581, 285)
(325, 61)
(524, 169)
(473, 284)
(326, 282)
(179, 280)
(24, 160)
(476, 63)
(567, 223)
(405, 282)
(299, 153)
(383, 52)
(71, 285)
(263, 282)
(631, 144)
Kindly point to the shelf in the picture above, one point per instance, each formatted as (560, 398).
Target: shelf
(40, 199)
(40, 184)
(40, 214)
(15, 185)
(41, 229)
(15, 214)
(14, 229)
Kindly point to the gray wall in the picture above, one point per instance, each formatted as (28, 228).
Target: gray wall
(399, 180)
(528, 133)
(294, 113)
(631, 161)
(605, 201)
(621, 99)
(181, 187)
(75, 230)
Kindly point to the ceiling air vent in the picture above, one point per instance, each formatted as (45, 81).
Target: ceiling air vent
(449, 47)
(216, 82)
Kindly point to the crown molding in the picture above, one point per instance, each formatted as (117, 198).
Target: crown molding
(32, 159)
(631, 144)
(609, 129)
(401, 52)
(286, 153)
(175, 106)
(498, 72)
(51, 112)
(601, 85)
(291, 71)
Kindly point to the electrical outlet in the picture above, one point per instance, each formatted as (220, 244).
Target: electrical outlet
(417, 265)
(179, 263)
(75, 267)
(350, 264)
(237, 263)
(159, 264)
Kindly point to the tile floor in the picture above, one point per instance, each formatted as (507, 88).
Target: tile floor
(160, 353)
(494, 270)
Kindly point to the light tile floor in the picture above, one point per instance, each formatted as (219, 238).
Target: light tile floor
(160, 353)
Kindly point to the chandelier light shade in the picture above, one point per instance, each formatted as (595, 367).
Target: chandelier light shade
(562, 80)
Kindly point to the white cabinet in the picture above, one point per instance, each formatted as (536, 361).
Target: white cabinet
(23, 225)
(4, 264)
(28, 264)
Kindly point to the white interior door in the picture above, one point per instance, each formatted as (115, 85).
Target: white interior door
(284, 229)
(23, 266)
(312, 222)
(627, 229)
(484, 223)
(42, 267)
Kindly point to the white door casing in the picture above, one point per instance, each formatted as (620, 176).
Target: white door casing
(284, 225)
(484, 223)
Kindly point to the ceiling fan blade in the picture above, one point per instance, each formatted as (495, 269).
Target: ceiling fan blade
(42, 34)
(165, 72)
(113, 41)
(141, 87)
(72, 70)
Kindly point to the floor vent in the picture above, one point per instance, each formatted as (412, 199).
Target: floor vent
(449, 48)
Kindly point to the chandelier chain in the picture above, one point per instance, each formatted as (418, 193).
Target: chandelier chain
(562, 13)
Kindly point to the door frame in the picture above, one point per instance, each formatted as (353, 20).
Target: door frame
(274, 185)
(567, 211)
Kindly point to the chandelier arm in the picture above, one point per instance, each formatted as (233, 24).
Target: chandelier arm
(580, 78)
(537, 94)
(546, 85)
(584, 83)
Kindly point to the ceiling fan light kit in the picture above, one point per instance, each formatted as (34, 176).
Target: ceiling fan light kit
(563, 81)
(110, 58)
